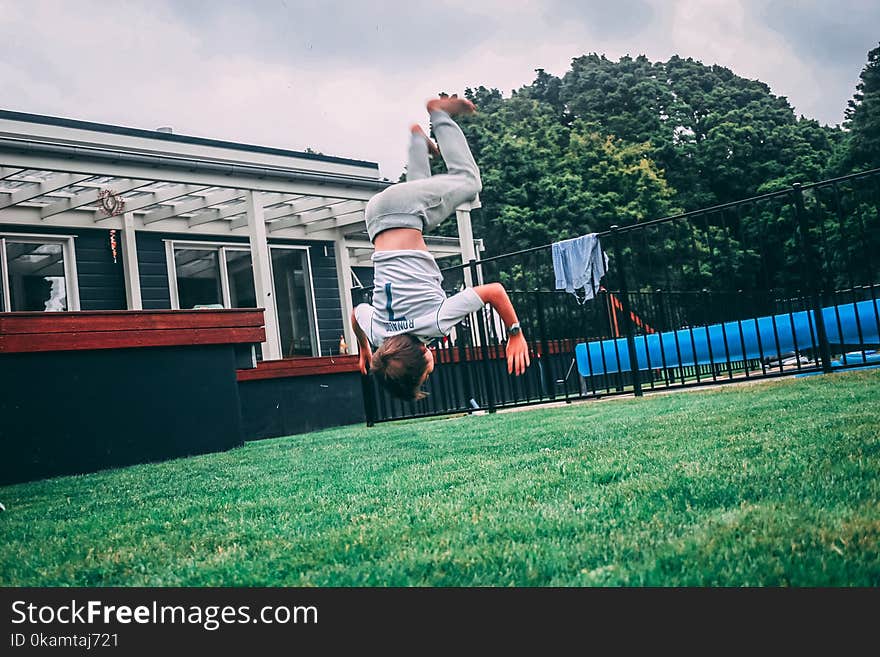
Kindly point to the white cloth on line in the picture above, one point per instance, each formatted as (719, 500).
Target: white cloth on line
(579, 264)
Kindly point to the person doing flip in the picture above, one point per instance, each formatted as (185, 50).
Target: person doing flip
(409, 307)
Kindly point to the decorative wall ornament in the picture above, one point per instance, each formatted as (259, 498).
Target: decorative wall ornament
(111, 203)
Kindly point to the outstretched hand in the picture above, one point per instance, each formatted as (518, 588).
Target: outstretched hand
(517, 354)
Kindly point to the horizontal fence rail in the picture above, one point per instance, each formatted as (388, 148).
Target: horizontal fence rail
(780, 284)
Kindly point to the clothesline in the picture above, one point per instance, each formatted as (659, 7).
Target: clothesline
(534, 249)
(670, 218)
(531, 249)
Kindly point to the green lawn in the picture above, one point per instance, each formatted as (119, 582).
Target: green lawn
(768, 484)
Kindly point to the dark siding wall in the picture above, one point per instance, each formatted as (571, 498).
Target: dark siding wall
(363, 294)
(327, 303)
(153, 271)
(365, 275)
(299, 404)
(155, 403)
(101, 281)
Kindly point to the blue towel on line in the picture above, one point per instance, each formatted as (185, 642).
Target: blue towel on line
(579, 263)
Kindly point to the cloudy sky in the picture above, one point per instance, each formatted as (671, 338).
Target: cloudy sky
(347, 78)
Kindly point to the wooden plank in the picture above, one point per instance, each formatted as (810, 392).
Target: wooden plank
(126, 320)
(339, 368)
(90, 340)
(310, 366)
(306, 361)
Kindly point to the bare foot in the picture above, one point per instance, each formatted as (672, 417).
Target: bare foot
(416, 129)
(451, 105)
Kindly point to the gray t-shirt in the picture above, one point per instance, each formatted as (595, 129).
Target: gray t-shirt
(408, 298)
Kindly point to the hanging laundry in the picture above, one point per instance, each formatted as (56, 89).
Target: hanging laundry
(579, 264)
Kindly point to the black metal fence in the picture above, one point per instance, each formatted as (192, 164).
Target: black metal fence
(778, 284)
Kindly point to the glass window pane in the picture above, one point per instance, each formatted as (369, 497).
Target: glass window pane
(240, 274)
(198, 278)
(36, 276)
(292, 295)
(240, 271)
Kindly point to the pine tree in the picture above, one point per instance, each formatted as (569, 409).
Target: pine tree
(862, 118)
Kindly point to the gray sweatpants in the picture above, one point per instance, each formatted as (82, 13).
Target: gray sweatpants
(423, 201)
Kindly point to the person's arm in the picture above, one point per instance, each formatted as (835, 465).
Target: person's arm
(517, 350)
(365, 353)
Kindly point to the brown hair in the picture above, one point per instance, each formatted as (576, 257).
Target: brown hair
(400, 364)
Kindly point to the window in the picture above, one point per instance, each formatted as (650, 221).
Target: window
(198, 277)
(294, 301)
(211, 276)
(37, 273)
(204, 275)
(241, 279)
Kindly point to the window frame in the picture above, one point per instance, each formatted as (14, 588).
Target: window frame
(68, 253)
(221, 247)
(199, 245)
(310, 292)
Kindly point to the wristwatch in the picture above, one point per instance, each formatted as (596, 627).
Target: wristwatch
(514, 329)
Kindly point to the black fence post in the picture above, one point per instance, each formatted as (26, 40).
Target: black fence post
(549, 381)
(811, 264)
(369, 400)
(627, 314)
(464, 365)
(484, 347)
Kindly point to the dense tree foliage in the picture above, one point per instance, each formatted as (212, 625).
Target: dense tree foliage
(862, 149)
(623, 142)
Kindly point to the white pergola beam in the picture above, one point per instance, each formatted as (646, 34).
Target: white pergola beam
(298, 214)
(362, 249)
(344, 187)
(341, 207)
(281, 210)
(9, 172)
(130, 269)
(343, 277)
(348, 229)
(160, 196)
(239, 210)
(296, 210)
(287, 210)
(338, 210)
(270, 200)
(92, 196)
(281, 224)
(56, 182)
(205, 217)
(362, 260)
(239, 220)
(466, 241)
(308, 204)
(336, 220)
(177, 209)
(261, 260)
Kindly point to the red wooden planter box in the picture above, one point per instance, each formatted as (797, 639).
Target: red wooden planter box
(119, 329)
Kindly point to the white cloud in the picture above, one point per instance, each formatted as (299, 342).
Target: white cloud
(724, 33)
(146, 64)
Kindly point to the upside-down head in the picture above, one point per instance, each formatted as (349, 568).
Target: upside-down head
(402, 364)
